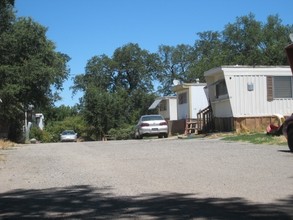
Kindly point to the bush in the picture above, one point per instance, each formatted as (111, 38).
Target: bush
(75, 123)
(40, 135)
(123, 133)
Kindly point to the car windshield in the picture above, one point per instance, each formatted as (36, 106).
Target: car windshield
(152, 118)
(68, 132)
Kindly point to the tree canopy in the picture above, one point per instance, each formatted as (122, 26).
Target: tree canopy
(244, 42)
(117, 89)
(175, 65)
(31, 70)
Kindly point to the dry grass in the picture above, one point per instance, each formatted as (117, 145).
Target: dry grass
(6, 144)
(220, 134)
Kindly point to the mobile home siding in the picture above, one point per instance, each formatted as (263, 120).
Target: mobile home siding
(192, 102)
(222, 108)
(245, 103)
(173, 106)
(199, 101)
(171, 109)
(249, 102)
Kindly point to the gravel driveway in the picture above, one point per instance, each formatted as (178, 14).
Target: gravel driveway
(147, 179)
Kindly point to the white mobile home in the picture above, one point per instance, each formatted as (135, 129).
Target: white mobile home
(40, 120)
(191, 98)
(245, 97)
(167, 107)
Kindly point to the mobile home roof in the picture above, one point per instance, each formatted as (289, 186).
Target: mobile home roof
(249, 70)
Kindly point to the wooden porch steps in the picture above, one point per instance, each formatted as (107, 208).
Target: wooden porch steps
(191, 126)
(205, 120)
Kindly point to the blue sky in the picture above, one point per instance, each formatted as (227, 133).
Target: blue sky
(85, 28)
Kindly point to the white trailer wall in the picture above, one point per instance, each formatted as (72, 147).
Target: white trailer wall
(254, 103)
(199, 100)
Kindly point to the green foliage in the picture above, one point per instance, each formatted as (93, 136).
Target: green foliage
(175, 63)
(59, 113)
(16, 132)
(134, 68)
(98, 71)
(242, 39)
(275, 38)
(244, 42)
(124, 132)
(209, 53)
(57, 120)
(40, 135)
(7, 16)
(130, 68)
(29, 66)
(99, 111)
(76, 123)
(117, 90)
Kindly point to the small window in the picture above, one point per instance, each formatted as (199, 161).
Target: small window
(221, 89)
(182, 98)
(282, 87)
(279, 87)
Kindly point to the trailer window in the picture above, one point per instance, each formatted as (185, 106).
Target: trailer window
(282, 86)
(221, 89)
(182, 98)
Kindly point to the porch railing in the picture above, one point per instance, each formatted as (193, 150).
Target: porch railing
(205, 120)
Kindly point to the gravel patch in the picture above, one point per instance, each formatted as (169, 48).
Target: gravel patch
(150, 178)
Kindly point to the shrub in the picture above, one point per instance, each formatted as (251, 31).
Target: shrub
(40, 135)
(75, 123)
(123, 133)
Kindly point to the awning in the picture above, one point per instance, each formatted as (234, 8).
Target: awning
(155, 104)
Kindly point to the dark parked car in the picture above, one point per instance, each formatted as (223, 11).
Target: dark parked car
(68, 135)
(151, 125)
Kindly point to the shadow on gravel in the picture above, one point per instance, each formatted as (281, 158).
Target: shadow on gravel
(81, 202)
(286, 151)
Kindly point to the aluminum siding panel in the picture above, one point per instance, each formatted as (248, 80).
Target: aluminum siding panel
(246, 103)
